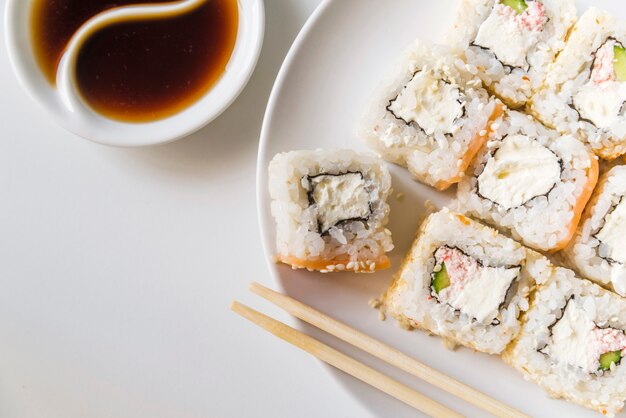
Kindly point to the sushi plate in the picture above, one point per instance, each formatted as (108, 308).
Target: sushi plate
(338, 58)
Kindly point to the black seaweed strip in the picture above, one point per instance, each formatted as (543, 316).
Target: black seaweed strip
(415, 124)
(567, 301)
(434, 294)
(493, 153)
(507, 66)
(597, 231)
(343, 221)
(580, 118)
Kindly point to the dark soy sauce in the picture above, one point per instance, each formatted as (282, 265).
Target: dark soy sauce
(55, 21)
(149, 69)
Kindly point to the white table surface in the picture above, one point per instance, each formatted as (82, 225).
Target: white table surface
(117, 268)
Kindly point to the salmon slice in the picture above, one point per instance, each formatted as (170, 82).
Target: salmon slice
(337, 264)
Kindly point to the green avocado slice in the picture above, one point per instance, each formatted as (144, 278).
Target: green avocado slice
(611, 357)
(518, 5)
(441, 280)
(619, 65)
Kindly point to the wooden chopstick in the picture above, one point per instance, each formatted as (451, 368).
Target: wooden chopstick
(345, 363)
(386, 353)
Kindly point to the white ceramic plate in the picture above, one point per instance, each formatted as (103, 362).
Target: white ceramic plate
(338, 58)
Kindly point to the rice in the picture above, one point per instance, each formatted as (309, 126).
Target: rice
(436, 136)
(588, 252)
(533, 353)
(411, 298)
(330, 208)
(546, 218)
(582, 94)
(511, 52)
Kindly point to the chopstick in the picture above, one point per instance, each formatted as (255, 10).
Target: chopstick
(386, 353)
(347, 364)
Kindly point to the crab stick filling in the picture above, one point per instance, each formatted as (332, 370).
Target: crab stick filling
(602, 100)
(577, 341)
(468, 286)
(511, 30)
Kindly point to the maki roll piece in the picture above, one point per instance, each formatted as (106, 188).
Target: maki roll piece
(429, 115)
(465, 282)
(572, 343)
(532, 182)
(598, 250)
(510, 44)
(331, 209)
(585, 91)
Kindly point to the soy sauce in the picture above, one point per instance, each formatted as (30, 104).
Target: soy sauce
(53, 23)
(147, 69)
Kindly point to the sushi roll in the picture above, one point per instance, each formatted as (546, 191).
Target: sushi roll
(510, 44)
(532, 182)
(331, 209)
(585, 92)
(465, 282)
(429, 115)
(572, 343)
(598, 251)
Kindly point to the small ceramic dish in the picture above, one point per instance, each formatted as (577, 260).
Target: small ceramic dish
(67, 106)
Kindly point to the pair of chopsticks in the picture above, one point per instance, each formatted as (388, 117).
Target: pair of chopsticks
(372, 346)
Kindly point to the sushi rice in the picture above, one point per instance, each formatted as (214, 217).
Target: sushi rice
(572, 343)
(331, 209)
(487, 281)
(530, 181)
(510, 44)
(429, 115)
(598, 250)
(585, 92)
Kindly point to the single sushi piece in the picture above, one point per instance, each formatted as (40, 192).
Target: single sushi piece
(585, 92)
(510, 44)
(532, 182)
(429, 115)
(572, 343)
(331, 209)
(465, 282)
(598, 250)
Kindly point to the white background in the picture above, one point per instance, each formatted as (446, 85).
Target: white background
(117, 268)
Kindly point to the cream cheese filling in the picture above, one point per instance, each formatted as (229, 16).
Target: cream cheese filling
(434, 104)
(473, 289)
(482, 295)
(339, 198)
(613, 233)
(507, 39)
(603, 104)
(520, 170)
(571, 341)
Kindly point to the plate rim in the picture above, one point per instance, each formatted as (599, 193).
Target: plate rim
(263, 210)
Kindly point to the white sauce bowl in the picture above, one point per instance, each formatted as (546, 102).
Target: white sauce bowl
(65, 103)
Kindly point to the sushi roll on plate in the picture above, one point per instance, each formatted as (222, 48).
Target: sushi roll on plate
(530, 181)
(465, 282)
(585, 92)
(598, 251)
(331, 209)
(429, 115)
(572, 343)
(510, 44)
